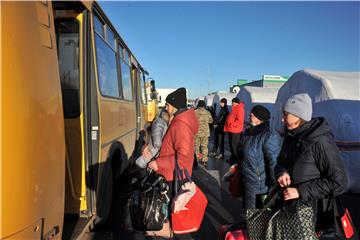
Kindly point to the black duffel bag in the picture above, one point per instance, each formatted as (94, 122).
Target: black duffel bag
(149, 203)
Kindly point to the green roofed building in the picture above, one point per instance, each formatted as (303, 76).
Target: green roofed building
(276, 78)
(272, 81)
(241, 82)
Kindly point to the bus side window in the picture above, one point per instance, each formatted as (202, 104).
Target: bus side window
(142, 87)
(107, 69)
(127, 88)
(99, 27)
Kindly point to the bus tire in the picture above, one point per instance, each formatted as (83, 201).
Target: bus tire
(104, 195)
(114, 210)
(107, 199)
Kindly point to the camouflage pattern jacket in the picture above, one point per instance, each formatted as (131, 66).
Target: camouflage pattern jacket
(204, 118)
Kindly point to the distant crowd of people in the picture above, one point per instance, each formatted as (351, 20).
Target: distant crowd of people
(305, 162)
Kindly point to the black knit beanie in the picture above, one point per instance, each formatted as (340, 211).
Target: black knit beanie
(201, 103)
(261, 112)
(235, 100)
(223, 100)
(177, 98)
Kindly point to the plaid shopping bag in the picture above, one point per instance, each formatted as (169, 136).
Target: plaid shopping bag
(257, 224)
(257, 220)
(294, 221)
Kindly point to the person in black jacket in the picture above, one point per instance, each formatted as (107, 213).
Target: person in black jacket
(218, 147)
(309, 166)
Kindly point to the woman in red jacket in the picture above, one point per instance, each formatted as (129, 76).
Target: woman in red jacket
(234, 126)
(180, 138)
(179, 141)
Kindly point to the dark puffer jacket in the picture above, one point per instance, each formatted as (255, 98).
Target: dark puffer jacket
(310, 156)
(158, 130)
(221, 118)
(258, 152)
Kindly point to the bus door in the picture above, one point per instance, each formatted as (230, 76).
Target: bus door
(139, 103)
(144, 110)
(79, 105)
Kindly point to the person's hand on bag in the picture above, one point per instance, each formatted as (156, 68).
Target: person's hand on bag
(291, 193)
(284, 180)
(152, 165)
(146, 153)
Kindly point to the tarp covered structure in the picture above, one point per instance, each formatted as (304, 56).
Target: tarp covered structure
(209, 99)
(252, 96)
(335, 96)
(198, 99)
(218, 97)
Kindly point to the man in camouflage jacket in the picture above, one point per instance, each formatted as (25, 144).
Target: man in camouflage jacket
(202, 137)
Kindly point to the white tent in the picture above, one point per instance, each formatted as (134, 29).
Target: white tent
(335, 96)
(162, 93)
(198, 99)
(209, 99)
(252, 96)
(218, 97)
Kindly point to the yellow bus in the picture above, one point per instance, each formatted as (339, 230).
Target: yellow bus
(72, 105)
(152, 102)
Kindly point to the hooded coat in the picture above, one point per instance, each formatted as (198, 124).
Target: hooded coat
(158, 130)
(311, 158)
(178, 141)
(235, 121)
(258, 152)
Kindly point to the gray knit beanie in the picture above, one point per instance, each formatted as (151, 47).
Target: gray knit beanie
(299, 105)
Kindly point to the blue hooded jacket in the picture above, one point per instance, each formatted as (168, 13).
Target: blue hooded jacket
(259, 149)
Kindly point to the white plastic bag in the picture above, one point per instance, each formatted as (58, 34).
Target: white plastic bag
(186, 192)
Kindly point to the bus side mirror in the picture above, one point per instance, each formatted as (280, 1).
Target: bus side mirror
(153, 95)
(152, 86)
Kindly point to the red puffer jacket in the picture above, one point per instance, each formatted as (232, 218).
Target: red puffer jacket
(179, 139)
(235, 121)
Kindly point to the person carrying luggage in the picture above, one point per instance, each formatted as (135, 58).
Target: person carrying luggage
(309, 167)
(158, 130)
(179, 140)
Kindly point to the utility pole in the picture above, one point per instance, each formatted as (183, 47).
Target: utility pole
(209, 79)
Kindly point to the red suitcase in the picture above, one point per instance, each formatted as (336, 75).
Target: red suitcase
(235, 231)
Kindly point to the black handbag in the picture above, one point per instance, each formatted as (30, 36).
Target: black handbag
(149, 203)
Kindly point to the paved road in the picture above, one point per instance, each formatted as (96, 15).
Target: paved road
(222, 208)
